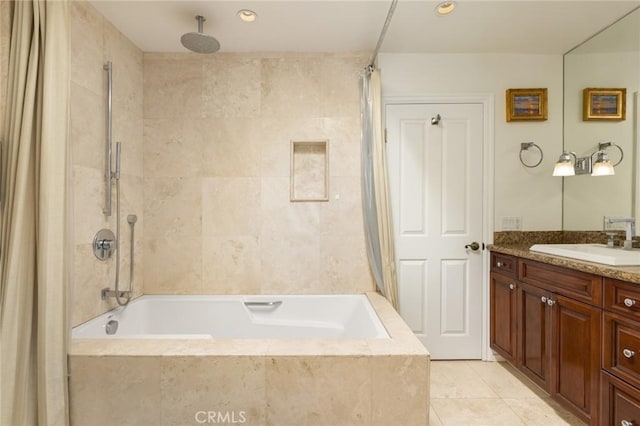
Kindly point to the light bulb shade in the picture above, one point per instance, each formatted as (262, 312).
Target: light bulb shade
(564, 169)
(602, 166)
(564, 166)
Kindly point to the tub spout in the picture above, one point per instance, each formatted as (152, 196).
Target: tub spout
(106, 292)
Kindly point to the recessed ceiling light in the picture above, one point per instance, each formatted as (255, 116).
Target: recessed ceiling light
(445, 8)
(247, 15)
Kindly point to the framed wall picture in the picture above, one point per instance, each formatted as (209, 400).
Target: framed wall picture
(604, 104)
(526, 104)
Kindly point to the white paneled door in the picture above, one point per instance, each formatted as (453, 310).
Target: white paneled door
(435, 156)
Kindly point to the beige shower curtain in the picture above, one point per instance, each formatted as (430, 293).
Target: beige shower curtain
(375, 192)
(33, 264)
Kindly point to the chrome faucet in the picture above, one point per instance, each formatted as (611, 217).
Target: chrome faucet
(630, 229)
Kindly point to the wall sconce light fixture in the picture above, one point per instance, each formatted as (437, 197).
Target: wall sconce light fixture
(524, 147)
(564, 166)
(602, 166)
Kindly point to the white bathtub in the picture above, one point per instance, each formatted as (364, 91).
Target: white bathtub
(309, 360)
(239, 317)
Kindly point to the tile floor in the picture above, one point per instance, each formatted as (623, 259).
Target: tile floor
(490, 393)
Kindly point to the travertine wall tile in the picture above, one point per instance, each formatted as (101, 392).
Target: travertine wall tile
(231, 265)
(291, 264)
(173, 88)
(173, 147)
(93, 42)
(87, 130)
(173, 265)
(231, 206)
(87, 59)
(231, 147)
(231, 86)
(291, 86)
(227, 121)
(175, 209)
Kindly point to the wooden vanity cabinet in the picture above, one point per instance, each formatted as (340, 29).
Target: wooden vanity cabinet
(557, 326)
(534, 335)
(503, 288)
(560, 315)
(621, 353)
(620, 402)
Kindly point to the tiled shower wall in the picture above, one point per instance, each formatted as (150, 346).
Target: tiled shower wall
(94, 41)
(217, 134)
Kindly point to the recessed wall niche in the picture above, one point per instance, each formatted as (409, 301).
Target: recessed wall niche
(310, 170)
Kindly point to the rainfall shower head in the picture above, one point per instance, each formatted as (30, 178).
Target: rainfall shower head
(200, 42)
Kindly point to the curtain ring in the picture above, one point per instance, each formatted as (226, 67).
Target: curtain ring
(524, 147)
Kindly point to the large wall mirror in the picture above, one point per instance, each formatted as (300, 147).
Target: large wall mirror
(610, 59)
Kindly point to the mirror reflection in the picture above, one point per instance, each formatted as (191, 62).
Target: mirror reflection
(609, 60)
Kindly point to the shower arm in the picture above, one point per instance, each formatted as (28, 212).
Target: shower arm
(108, 148)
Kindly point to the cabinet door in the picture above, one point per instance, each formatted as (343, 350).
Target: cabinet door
(503, 312)
(576, 355)
(620, 402)
(534, 337)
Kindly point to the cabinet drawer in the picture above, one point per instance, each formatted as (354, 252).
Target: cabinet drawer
(504, 264)
(622, 347)
(620, 402)
(566, 282)
(622, 297)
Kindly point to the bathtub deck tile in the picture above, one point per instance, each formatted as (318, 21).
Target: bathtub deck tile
(318, 391)
(326, 347)
(108, 391)
(402, 382)
(194, 388)
(220, 347)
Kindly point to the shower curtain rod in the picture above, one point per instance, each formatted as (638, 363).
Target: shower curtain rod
(392, 9)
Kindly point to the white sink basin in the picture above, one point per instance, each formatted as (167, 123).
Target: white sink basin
(598, 253)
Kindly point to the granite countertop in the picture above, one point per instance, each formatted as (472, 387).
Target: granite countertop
(521, 249)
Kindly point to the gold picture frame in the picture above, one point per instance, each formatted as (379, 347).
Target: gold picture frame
(527, 104)
(604, 104)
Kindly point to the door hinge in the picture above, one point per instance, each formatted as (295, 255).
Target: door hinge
(385, 135)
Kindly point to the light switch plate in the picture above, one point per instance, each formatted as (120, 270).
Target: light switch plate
(511, 223)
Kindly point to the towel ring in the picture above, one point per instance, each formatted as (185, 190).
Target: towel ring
(524, 147)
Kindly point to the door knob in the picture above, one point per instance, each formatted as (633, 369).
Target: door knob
(473, 246)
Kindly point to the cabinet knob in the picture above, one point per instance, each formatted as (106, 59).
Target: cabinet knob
(499, 264)
(627, 423)
(628, 353)
(543, 299)
(512, 286)
(629, 302)
(551, 302)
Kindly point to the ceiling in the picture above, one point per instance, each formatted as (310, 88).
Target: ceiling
(476, 26)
